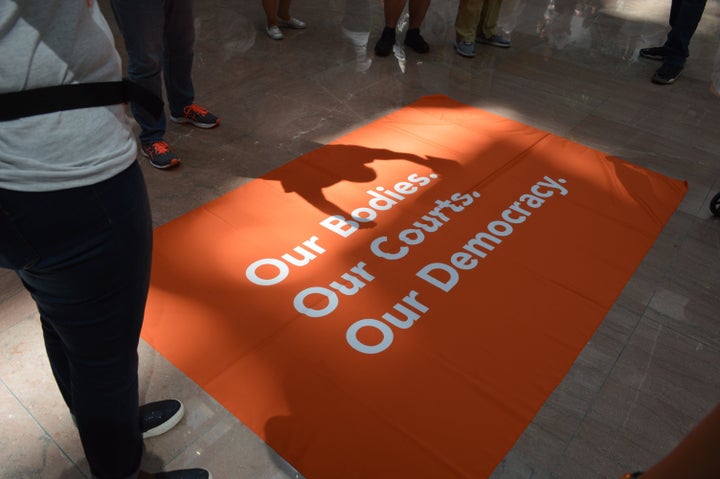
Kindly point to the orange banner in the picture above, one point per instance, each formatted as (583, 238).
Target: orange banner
(401, 302)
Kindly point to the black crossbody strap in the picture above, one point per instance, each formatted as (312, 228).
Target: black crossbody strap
(39, 101)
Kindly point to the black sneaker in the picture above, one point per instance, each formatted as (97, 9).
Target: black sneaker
(179, 474)
(414, 40)
(159, 417)
(385, 44)
(667, 74)
(197, 116)
(654, 53)
(160, 154)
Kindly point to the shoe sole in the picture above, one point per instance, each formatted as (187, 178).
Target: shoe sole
(167, 425)
(291, 27)
(279, 36)
(463, 54)
(659, 81)
(173, 163)
(194, 123)
(653, 57)
(499, 45)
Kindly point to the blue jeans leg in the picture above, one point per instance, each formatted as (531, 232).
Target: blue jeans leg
(685, 16)
(84, 254)
(159, 37)
(179, 48)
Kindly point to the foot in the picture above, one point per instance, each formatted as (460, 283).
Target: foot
(466, 49)
(385, 44)
(274, 32)
(197, 116)
(667, 74)
(159, 417)
(178, 474)
(160, 155)
(294, 23)
(414, 40)
(494, 40)
(654, 53)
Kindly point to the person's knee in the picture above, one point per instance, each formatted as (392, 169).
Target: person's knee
(142, 67)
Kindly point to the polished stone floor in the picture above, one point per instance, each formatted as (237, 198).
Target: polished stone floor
(652, 369)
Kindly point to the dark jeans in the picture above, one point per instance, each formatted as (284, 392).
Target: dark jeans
(159, 38)
(685, 16)
(84, 255)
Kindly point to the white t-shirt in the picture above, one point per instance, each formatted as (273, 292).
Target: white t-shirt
(57, 42)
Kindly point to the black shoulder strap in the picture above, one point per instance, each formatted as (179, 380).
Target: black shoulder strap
(39, 101)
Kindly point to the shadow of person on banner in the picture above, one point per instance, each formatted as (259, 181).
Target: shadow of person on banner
(332, 164)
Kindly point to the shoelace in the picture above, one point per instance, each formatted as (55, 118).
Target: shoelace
(197, 109)
(160, 147)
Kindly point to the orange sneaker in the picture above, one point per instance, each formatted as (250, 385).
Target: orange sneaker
(198, 116)
(160, 155)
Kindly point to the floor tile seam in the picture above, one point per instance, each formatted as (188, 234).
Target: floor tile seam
(644, 315)
(16, 319)
(714, 190)
(644, 125)
(597, 394)
(45, 432)
(684, 334)
(187, 447)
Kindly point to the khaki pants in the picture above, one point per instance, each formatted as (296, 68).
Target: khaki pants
(477, 17)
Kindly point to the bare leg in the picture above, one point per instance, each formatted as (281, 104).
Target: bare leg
(271, 11)
(284, 10)
(417, 10)
(393, 10)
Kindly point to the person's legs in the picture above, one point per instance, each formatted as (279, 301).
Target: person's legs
(141, 23)
(179, 44)
(271, 11)
(685, 16)
(393, 9)
(417, 10)
(487, 21)
(284, 10)
(84, 255)
(466, 22)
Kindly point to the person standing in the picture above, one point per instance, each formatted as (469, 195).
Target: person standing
(417, 10)
(277, 15)
(685, 16)
(477, 22)
(75, 224)
(159, 38)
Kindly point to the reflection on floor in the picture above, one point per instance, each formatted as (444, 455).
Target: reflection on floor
(652, 369)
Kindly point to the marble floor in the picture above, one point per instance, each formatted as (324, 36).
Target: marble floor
(652, 369)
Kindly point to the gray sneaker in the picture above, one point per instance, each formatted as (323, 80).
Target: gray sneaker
(466, 49)
(495, 40)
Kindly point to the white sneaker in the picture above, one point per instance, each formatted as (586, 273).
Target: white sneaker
(274, 32)
(292, 23)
